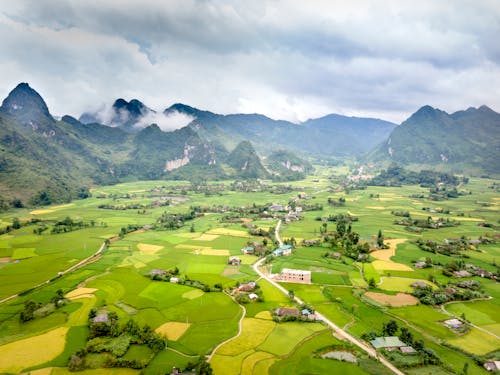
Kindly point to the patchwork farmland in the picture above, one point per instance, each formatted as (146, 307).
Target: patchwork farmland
(167, 269)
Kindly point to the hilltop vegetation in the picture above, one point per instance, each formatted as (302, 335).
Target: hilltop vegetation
(464, 141)
(44, 161)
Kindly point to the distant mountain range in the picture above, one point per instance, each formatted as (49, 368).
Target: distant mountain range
(43, 160)
(329, 136)
(464, 141)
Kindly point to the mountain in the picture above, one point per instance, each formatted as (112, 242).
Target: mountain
(123, 114)
(286, 165)
(246, 162)
(26, 106)
(464, 141)
(332, 135)
(43, 160)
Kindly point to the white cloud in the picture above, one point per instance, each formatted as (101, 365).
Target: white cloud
(286, 59)
(166, 122)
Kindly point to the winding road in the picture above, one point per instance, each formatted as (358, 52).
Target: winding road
(339, 331)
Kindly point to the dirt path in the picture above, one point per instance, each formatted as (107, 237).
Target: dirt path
(181, 353)
(277, 233)
(339, 331)
(240, 328)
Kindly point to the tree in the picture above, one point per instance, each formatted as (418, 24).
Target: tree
(29, 310)
(291, 294)
(192, 230)
(390, 328)
(16, 224)
(406, 336)
(380, 239)
(465, 370)
(372, 283)
(17, 203)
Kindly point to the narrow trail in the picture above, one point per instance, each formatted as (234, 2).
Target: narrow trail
(339, 331)
(181, 353)
(240, 328)
(277, 233)
(90, 259)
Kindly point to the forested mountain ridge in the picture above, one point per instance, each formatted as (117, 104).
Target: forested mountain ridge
(45, 161)
(464, 141)
(329, 136)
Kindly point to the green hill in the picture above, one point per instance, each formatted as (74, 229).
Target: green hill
(45, 161)
(246, 162)
(465, 141)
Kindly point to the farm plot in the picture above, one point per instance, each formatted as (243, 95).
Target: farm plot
(32, 351)
(400, 299)
(173, 330)
(400, 284)
(476, 342)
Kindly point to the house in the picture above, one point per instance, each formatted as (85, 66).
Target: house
(283, 251)
(158, 272)
(462, 273)
(407, 350)
(492, 365)
(101, 318)
(387, 343)
(291, 216)
(248, 250)
(247, 287)
(308, 314)
(253, 296)
(290, 275)
(470, 284)
(419, 284)
(420, 264)
(335, 255)
(276, 207)
(234, 261)
(174, 280)
(453, 323)
(483, 273)
(286, 311)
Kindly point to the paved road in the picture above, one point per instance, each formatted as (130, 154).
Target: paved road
(339, 331)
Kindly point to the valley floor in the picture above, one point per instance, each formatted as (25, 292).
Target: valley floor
(68, 274)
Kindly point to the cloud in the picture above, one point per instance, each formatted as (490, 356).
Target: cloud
(286, 59)
(166, 122)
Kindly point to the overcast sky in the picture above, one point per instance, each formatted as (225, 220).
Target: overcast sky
(286, 59)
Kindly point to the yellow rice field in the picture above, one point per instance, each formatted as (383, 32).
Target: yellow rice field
(229, 232)
(254, 332)
(32, 351)
(192, 294)
(173, 330)
(249, 362)
(207, 237)
(50, 210)
(149, 249)
(80, 292)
